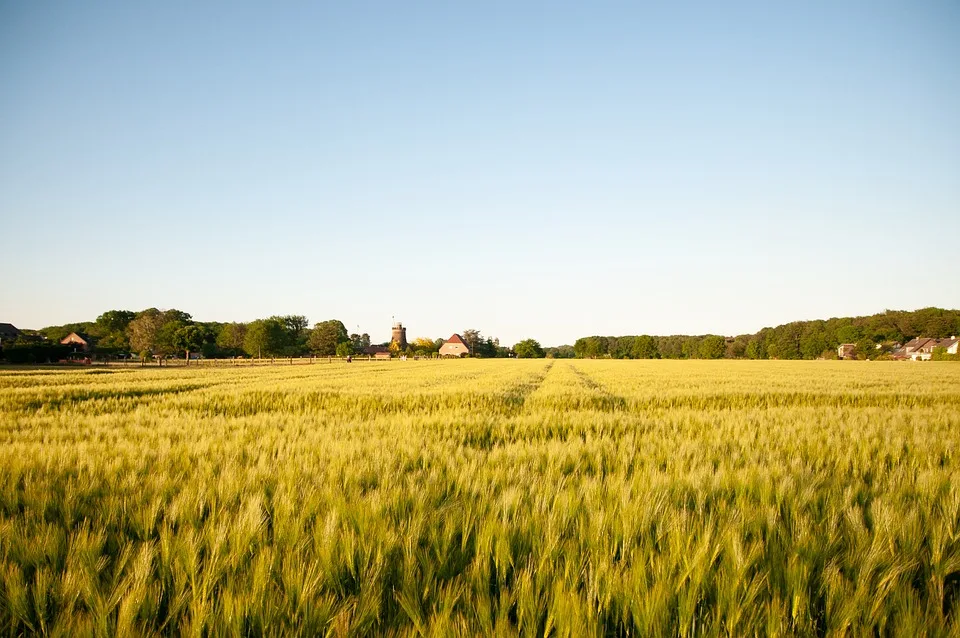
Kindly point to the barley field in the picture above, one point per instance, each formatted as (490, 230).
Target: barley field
(500, 497)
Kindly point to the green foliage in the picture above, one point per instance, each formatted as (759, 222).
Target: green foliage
(189, 338)
(797, 340)
(344, 349)
(528, 349)
(360, 341)
(326, 336)
(712, 347)
(265, 338)
(153, 330)
(230, 339)
(941, 354)
(44, 352)
(645, 347)
(560, 352)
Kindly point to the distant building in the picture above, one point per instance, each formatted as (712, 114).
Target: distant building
(8, 332)
(846, 350)
(921, 348)
(81, 343)
(399, 335)
(455, 346)
(377, 351)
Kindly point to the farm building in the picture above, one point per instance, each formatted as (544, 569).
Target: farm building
(8, 332)
(921, 348)
(81, 343)
(379, 352)
(455, 346)
(845, 350)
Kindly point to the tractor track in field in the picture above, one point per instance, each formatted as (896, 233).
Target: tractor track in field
(609, 400)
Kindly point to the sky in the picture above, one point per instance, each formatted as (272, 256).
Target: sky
(528, 169)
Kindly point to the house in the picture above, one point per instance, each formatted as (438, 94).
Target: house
(80, 343)
(382, 355)
(846, 350)
(953, 347)
(455, 346)
(921, 348)
(377, 352)
(8, 332)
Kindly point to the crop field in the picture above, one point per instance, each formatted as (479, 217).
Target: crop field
(483, 497)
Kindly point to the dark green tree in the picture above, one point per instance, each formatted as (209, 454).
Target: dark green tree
(528, 349)
(645, 347)
(325, 337)
(189, 339)
(230, 338)
(265, 338)
(712, 347)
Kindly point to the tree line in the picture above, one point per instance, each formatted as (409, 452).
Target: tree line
(874, 337)
(153, 332)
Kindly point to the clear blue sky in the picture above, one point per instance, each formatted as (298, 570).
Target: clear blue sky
(551, 170)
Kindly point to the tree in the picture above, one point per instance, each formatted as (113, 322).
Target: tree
(472, 338)
(812, 340)
(644, 347)
(712, 347)
(424, 345)
(115, 320)
(865, 349)
(528, 349)
(143, 330)
(487, 348)
(590, 347)
(556, 352)
(326, 335)
(737, 349)
(153, 330)
(691, 348)
(295, 324)
(360, 342)
(264, 337)
(849, 334)
(165, 342)
(111, 329)
(230, 338)
(189, 339)
(344, 349)
(755, 349)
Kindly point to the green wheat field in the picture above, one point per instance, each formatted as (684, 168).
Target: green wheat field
(498, 497)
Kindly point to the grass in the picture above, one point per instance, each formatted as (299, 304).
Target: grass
(567, 498)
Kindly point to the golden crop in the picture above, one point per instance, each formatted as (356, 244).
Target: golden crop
(571, 498)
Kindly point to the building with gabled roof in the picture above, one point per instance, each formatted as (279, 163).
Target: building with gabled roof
(8, 332)
(81, 343)
(455, 346)
(847, 351)
(921, 348)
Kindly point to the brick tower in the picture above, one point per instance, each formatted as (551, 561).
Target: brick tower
(399, 335)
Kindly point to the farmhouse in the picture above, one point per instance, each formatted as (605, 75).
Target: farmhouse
(455, 346)
(845, 350)
(80, 343)
(8, 332)
(921, 348)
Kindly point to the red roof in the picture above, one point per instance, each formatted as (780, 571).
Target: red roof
(456, 339)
